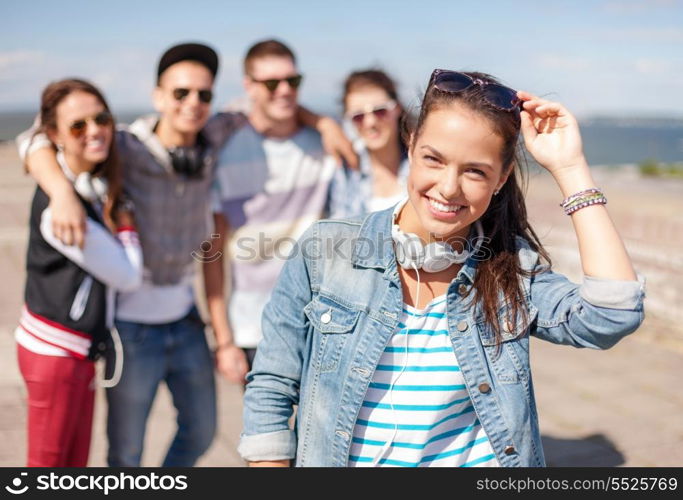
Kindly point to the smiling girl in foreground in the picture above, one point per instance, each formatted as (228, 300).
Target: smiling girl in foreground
(408, 343)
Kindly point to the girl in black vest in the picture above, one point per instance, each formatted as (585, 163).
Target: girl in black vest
(69, 296)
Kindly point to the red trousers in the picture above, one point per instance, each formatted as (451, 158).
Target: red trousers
(61, 400)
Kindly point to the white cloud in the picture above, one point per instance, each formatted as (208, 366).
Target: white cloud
(664, 73)
(14, 64)
(126, 75)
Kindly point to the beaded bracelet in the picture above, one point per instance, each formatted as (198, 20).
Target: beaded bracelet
(582, 199)
(580, 194)
(583, 202)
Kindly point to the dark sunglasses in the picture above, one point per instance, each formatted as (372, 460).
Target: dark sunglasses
(380, 112)
(204, 95)
(101, 119)
(273, 83)
(498, 96)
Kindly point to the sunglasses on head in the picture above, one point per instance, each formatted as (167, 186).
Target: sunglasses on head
(101, 119)
(273, 83)
(498, 96)
(380, 112)
(205, 95)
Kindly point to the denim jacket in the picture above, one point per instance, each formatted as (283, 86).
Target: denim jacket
(336, 305)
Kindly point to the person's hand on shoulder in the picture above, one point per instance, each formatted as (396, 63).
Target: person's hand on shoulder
(336, 144)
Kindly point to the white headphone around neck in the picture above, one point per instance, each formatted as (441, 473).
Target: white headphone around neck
(91, 188)
(435, 256)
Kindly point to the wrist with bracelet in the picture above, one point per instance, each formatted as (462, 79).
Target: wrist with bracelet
(583, 199)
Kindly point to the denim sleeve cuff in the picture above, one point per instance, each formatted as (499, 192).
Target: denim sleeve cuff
(278, 445)
(614, 294)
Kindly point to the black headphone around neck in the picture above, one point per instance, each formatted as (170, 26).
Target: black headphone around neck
(189, 161)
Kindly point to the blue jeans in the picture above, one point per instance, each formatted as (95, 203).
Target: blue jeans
(178, 354)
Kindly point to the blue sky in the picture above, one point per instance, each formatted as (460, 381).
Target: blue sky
(621, 57)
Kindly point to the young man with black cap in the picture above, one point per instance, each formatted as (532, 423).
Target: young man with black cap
(168, 167)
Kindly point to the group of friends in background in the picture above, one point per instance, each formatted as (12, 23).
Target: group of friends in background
(122, 214)
(110, 194)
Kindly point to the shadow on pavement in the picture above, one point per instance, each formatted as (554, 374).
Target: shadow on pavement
(595, 450)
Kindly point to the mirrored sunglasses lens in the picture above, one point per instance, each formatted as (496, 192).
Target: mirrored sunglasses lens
(380, 113)
(452, 81)
(501, 97)
(357, 119)
(77, 129)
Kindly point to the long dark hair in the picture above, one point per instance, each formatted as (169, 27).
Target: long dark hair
(506, 217)
(109, 169)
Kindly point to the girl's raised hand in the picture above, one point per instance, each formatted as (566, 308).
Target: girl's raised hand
(551, 134)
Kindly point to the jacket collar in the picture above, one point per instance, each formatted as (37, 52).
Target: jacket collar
(374, 247)
(143, 129)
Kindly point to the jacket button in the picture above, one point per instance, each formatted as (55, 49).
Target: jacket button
(484, 388)
(325, 318)
(508, 327)
(462, 290)
(462, 326)
(509, 450)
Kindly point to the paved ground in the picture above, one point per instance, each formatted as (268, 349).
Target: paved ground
(621, 407)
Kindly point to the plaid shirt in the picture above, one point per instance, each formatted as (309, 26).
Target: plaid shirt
(172, 212)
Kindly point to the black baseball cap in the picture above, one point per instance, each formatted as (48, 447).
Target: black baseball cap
(198, 52)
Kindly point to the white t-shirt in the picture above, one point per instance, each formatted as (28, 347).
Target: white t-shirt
(378, 203)
(269, 191)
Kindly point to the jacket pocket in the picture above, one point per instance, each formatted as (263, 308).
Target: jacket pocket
(334, 323)
(509, 360)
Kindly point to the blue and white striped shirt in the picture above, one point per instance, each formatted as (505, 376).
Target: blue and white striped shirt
(428, 416)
